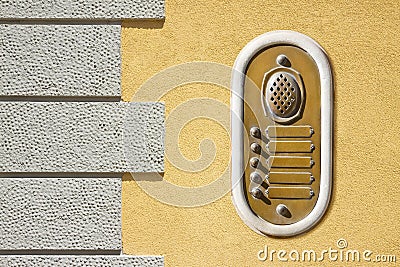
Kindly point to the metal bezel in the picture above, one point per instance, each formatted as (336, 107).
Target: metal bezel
(237, 107)
(265, 105)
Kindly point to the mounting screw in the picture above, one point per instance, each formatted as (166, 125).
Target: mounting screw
(283, 61)
(283, 211)
(312, 147)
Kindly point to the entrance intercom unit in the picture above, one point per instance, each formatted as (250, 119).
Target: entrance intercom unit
(281, 123)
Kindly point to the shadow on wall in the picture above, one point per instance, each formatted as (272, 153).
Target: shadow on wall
(144, 176)
(144, 24)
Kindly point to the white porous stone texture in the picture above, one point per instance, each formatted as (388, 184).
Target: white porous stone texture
(81, 137)
(59, 60)
(82, 261)
(60, 214)
(82, 9)
(144, 131)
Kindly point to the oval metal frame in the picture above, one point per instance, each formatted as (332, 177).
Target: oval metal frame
(262, 42)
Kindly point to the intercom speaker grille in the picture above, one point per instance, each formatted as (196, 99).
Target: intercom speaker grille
(283, 94)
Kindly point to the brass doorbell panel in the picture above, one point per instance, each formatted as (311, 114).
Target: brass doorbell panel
(289, 96)
(282, 97)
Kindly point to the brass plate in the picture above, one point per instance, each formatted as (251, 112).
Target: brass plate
(275, 192)
(289, 131)
(290, 146)
(290, 178)
(306, 128)
(289, 162)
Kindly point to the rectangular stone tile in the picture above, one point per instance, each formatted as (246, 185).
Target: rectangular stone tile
(143, 136)
(60, 214)
(60, 60)
(82, 261)
(82, 9)
(82, 137)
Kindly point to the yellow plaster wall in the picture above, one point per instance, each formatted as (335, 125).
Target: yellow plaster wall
(362, 40)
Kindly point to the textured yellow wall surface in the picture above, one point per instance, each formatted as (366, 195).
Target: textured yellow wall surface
(362, 40)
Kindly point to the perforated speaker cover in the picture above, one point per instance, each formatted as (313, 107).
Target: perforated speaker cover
(283, 94)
